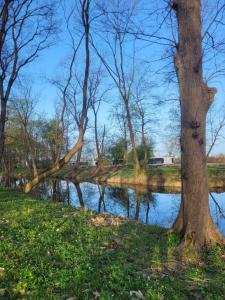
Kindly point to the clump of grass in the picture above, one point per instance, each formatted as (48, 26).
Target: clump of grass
(52, 251)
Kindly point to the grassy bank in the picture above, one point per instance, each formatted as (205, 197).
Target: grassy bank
(52, 251)
(159, 177)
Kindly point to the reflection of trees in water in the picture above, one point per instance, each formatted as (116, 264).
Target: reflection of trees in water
(54, 189)
(146, 198)
(60, 191)
(218, 207)
(141, 196)
(79, 194)
(141, 200)
(120, 194)
(43, 190)
(138, 204)
(7, 180)
(101, 200)
(218, 212)
(88, 190)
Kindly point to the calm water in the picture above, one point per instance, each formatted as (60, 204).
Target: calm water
(137, 203)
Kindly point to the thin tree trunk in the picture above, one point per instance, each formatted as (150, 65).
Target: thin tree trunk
(132, 139)
(79, 153)
(96, 135)
(128, 203)
(147, 213)
(138, 204)
(145, 146)
(125, 156)
(2, 128)
(194, 221)
(79, 194)
(101, 198)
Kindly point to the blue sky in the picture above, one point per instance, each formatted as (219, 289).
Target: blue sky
(49, 66)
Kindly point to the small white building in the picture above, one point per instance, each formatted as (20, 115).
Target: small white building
(166, 160)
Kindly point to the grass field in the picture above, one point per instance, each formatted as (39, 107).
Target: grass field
(52, 251)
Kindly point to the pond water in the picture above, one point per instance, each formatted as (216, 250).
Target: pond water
(136, 203)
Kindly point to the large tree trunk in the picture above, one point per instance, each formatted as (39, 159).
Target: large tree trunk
(194, 221)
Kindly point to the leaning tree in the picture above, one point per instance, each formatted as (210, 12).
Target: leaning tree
(84, 38)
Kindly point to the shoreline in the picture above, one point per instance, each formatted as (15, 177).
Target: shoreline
(163, 178)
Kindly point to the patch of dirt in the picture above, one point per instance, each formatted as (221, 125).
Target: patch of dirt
(106, 220)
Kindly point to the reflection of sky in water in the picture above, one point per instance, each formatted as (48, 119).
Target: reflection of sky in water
(155, 208)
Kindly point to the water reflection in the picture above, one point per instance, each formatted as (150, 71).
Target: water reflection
(136, 203)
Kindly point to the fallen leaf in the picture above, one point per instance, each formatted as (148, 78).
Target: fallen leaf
(137, 295)
(96, 295)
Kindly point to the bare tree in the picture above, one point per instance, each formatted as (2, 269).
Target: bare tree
(143, 111)
(118, 115)
(97, 96)
(120, 69)
(25, 29)
(84, 7)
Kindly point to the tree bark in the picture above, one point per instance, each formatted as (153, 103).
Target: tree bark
(144, 145)
(2, 128)
(194, 221)
(79, 153)
(79, 194)
(132, 139)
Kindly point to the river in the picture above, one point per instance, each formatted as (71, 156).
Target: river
(133, 202)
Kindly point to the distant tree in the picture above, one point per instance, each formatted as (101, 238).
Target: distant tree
(97, 95)
(145, 111)
(117, 151)
(144, 153)
(116, 19)
(119, 122)
(23, 114)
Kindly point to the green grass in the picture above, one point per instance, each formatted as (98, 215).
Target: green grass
(173, 171)
(217, 170)
(52, 251)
